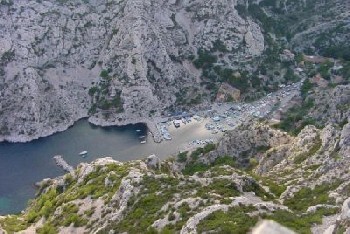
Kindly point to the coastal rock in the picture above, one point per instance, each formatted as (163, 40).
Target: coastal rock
(86, 168)
(63, 164)
(153, 162)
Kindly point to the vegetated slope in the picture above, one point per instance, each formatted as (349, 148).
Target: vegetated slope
(297, 178)
(126, 61)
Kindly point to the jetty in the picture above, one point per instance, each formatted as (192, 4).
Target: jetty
(63, 164)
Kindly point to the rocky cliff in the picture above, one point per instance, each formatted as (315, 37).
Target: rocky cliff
(126, 61)
(130, 56)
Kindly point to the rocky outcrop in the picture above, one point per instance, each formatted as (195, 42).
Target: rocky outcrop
(153, 162)
(335, 110)
(192, 223)
(345, 211)
(63, 164)
(248, 139)
(269, 226)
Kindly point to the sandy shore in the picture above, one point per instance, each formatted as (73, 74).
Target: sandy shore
(182, 139)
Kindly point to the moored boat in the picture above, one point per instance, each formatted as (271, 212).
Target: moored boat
(83, 153)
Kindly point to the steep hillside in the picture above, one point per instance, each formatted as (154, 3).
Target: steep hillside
(120, 60)
(299, 182)
(127, 61)
(298, 178)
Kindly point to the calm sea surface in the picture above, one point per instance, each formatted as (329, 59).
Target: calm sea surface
(23, 164)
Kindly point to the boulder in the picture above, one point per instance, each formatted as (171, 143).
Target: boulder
(153, 162)
(345, 210)
(271, 227)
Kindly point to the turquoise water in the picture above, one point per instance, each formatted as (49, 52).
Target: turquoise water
(24, 164)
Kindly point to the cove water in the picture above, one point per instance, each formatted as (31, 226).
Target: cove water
(24, 164)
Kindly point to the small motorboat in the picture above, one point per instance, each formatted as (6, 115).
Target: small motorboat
(143, 142)
(83, 153)
(138, 130)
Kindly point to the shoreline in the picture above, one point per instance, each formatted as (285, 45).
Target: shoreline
(154, 123)
(151, 126)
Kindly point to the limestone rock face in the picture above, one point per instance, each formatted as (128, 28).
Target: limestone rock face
(248, 139)
(344, 142)
(53, 52)
(271, 227)
(227, 92)
(345, 211)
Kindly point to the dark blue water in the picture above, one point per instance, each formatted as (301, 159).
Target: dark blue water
(23, 164)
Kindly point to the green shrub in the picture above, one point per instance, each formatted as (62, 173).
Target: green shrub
(75, 219)
(301, 223)
(47, 228)
(205, 59)
(257, 189)
(295, 119)
(224, 160)
(223, 187)
(306, 87)
(13, 224)
(93, 90)
(195, 154)
(182, 157)
(144, 210)
(309, 197)
(235, 220)
(208, 147)
(219, 46)
(104, 74)
(193, 167)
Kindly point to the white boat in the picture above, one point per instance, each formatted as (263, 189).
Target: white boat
(83, 153)
(143, 142)
(138, 130)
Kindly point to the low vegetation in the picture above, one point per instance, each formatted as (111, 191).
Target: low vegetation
(194, 167)
(46, 204)
(310, 197)
(296, 118)
(235, 221)
(301, 223)
(314, 148)
(103, 97)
